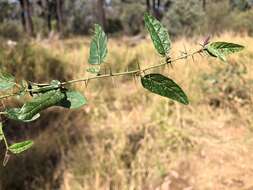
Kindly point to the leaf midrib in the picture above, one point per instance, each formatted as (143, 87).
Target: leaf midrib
(161, 83)
(38, 105)
(164, 52)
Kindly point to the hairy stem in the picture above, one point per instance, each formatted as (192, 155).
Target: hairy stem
(136, 72)
(4, 138)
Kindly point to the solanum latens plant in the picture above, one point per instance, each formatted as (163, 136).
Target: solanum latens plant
(55, 93)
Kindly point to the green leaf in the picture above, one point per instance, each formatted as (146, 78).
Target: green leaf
(20, 147)
(98, 46)
(158, 33)
(73, 100)
(16, 114)
(221, 49)
(30, 110)
(7, 81)
(1, 132)
(164, 86)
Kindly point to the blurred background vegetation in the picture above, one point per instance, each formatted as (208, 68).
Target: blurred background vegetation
(125, 138)
(40, 18)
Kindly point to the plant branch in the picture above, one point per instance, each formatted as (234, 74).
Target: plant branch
(137, 71)
(3, 137)
(7, 96)
(5, 142)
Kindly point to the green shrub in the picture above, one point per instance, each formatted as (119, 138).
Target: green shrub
(30, 62)
(242, 22)
(227, 87)
(132, 18)
(184, 17)
(218, 18)
(11, 30)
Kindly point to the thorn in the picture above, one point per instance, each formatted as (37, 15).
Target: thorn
(6, 158)
(201, 45)
(113, 82)
(141, 72)
(193, 58)
(168, 66)
(201, 54)
(135, 80)
(86, 83)
(171, 65)
(138, 64)
(183, 53)
(111, 71)
(206, 40)
(168, 62)
(185, 50)
(30, 88)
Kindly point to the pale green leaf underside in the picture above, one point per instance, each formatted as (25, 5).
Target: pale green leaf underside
(20, 147)
(221, 49)
(1, 132)
(73, 100)
(16, 114)
(7, 81)
(98, 46)
(30, 110)
(158, 33)
(164, 86)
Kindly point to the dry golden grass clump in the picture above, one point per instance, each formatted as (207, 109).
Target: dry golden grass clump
(142, 141)
(129, 139)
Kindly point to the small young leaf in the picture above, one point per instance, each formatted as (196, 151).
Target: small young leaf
(158, 33)
(30, 110)
(164, 86)
(73, 100)
(221, 49)
(93, 70)
(23, 87)
(20, 147)
(6, 159)
(98, 46)
(7, 81)
(1, 132)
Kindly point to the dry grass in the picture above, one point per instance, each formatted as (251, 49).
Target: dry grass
(133, 140)
(142, 141)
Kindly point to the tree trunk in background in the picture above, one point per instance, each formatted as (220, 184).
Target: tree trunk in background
(204, 4)
(26, 16)
(101, 13)
(167, 5)
(154, 5)
(48, 15)
(46, 5)
(158, 4)
(148, 5)
(59, 15)
(155, 8)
